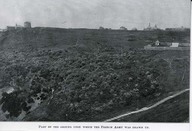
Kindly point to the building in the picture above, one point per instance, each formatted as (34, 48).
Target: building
(9, 28)
(168, 46)
(157, 43)
(184, 44)
(174, 44)
(155, 27)
(18, 27)
(101, 28)
(177, 29)
(27, 24)
(150, 28)
(123, 28)
(134, 29)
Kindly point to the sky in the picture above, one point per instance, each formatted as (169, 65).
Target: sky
(96, 13)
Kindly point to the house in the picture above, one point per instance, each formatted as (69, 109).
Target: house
(18, 26)
(134, 29)
(9, 28)
(174, 44)
(27, 24)
(101, 28)
(165, 44)
(177, 29)
(157, 43)
(184, 44)
(123, 28)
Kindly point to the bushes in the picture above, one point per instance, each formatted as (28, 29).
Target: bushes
(79, 86)
(14, 103)
(106, 87)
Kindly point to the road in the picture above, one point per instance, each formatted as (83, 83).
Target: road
(147, 108)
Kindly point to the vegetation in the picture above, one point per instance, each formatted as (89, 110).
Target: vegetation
(165, 112)
(80, 83)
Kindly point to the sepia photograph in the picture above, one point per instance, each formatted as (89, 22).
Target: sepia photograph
(95, 61)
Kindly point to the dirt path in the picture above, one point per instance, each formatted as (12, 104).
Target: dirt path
(147, 108)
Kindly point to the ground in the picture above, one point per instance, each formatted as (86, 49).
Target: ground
(87, 75)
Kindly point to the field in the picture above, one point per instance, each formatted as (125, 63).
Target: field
(51, 74)
(170, 111)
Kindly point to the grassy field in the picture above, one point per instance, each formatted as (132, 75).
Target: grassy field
(174, 110)
(90, 75)
(90, 38)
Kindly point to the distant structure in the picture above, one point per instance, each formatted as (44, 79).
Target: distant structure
(27, 24)
(174, 44)
(177, 29)
(134, 29)
(101, 28)
(123, 28)
(184, 44)
(157, 43)
(150, 28)
(167, 46)
(9, 28)
(18, 26)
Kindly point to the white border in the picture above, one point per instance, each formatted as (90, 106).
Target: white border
(37, 126)
(43, 126)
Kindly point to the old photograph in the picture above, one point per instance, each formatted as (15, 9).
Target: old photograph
(95, 60)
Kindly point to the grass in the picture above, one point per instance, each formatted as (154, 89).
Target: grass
(89, 71)
(174, 110)
(62, 38)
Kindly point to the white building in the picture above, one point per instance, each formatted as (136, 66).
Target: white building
(174, 44)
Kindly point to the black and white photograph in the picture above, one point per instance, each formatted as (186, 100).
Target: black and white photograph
(95, 61)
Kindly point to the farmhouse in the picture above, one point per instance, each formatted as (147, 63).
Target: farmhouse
(174, 44)
(9, 28)
(177, 29)
(27, 24)
(167, 46)
(123, 28)
(18, 26)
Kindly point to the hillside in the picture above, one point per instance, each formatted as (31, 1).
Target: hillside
(165, 112)
(51, 74)
(63, 38)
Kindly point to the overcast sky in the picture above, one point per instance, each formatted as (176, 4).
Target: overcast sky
(95, 13)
